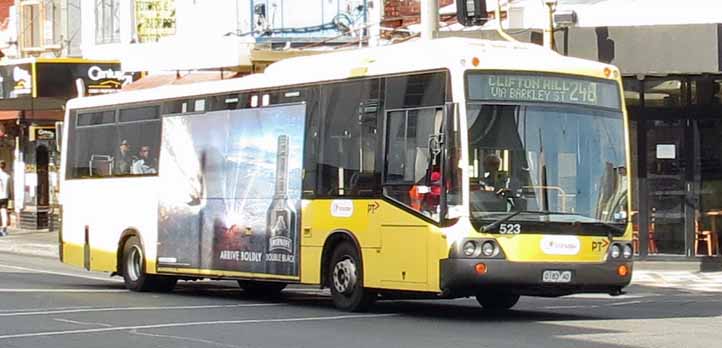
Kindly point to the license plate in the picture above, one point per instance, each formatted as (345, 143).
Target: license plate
(554, 276)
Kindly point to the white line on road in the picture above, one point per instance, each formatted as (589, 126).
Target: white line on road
(197, 323)
(181, 338)
(60, 273)
(45, 309)
(80, 322)
(63, 290)
(118, 309)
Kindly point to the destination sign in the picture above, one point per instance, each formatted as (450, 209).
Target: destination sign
(543, 88)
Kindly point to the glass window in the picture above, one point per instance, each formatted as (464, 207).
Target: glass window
(564, 161)
(706, 91)
(138, 149)
(348, 139)
(96, 118)
(665, 92)
(91, 151)
(311, 141)
(112, 149)
(139, 114)
(415, 90)
(413, 167)
(107, 21)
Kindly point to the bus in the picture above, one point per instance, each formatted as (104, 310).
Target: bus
(431, 169)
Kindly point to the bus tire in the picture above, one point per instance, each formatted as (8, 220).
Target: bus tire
(261, 289)
(134, 275)
(345, 274)
(133, 266)
(497, 301)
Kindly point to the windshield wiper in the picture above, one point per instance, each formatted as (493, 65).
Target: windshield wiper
(493, 225)
(496, 223)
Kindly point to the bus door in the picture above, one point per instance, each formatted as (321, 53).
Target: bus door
(412, 183)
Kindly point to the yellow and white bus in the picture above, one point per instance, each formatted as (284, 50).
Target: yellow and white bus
(440, 169)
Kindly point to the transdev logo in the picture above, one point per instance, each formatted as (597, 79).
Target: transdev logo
(342, 208)
(560, 245)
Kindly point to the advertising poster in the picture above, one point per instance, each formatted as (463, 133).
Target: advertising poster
(231, 190)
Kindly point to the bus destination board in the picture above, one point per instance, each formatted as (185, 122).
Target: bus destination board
(543, 88)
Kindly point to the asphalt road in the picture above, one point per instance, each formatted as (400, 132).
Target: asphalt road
(46, 304)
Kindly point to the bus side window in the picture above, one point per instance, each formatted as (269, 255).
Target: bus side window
(91, 144)
(348, 142)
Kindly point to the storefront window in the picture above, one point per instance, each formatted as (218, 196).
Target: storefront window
(107, 21)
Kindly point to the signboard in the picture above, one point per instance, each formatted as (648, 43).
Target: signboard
(56, 79)
(16, 81)
(543, 88)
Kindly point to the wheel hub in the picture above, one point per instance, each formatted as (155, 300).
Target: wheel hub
(344, 276)
(134, 263)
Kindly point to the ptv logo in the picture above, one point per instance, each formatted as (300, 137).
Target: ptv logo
(600, 245)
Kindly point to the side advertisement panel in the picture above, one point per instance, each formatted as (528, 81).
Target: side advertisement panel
(231, 190)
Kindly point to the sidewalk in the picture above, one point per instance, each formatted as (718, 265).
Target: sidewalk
(41, 243)
(667, 274)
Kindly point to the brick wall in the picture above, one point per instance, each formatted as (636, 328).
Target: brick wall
(4, 8)
(404, 12)
(397, 8)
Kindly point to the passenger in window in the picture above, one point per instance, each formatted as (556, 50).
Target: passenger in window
(123, 160)
(144, 164)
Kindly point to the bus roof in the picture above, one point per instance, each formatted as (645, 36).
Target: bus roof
(419, 55)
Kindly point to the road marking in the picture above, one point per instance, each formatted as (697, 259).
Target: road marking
(80, 322)
(45, 309)
(181, 338)
(62, 290)
(571, 307)
(60, 273)
(113, 309)
(197, 323)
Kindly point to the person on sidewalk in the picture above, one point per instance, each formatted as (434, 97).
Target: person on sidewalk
(4, 199)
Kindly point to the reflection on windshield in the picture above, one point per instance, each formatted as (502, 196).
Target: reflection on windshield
(563, 160)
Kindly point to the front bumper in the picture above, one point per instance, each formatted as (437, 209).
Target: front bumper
(459, 278)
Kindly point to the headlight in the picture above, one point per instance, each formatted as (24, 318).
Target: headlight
(488, 249)
(627, 251)
(616, 251)
(469, 248)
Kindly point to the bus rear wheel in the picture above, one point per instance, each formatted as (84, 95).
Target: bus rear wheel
(133, 268)
(497, 301)
(345, 274)
(261, 289)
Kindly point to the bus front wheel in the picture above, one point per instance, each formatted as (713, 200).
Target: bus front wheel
(134, 275)
(346, 280)
(494, 301)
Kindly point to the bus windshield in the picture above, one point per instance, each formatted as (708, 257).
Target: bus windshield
(547, 163)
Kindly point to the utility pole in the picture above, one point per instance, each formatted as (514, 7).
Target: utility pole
(429, 19)
(549, 28)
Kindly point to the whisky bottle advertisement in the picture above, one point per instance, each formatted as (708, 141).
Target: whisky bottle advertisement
(281, 218)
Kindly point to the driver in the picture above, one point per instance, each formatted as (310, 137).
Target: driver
(491, 181)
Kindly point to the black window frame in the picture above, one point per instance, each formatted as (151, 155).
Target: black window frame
(73, 128)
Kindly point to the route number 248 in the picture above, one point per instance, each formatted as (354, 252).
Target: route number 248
(510, 228)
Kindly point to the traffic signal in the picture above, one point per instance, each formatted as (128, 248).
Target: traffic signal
(471, 12)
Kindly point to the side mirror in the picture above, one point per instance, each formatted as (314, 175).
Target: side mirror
(58, 136)
(471, 12)
(435, 143)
